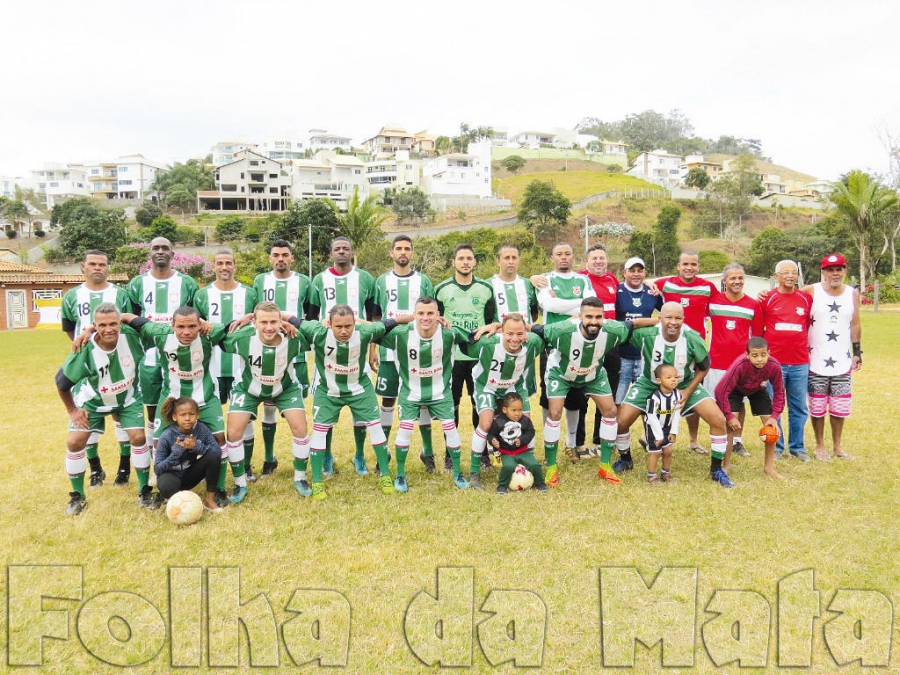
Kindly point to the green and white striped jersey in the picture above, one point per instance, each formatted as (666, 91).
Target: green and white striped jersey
(221, 308)
(573, 357)
(425, 364)
(186, 368)
(341, 365)
(291, 294)
(79, 303)
(396, 297)
(105, 381)
(516, 296)
(157, 300)
(354, 289)
(266, 371)
(498, 370)
(566, 286)
(685, 353)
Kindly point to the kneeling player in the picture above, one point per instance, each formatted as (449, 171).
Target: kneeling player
(512, 435)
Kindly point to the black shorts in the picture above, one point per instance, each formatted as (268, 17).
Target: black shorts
(760, 403)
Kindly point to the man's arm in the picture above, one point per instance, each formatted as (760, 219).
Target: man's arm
(856, 332)
(551, 303)
(77, 416)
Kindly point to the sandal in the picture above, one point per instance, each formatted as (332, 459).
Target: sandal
(823, 456)
(845, 455)
(699, 449)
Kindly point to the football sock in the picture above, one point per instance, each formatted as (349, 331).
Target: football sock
(268, 432)
(359, 438)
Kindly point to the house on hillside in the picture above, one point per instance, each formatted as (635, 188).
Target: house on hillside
(284, 148)
(329, 175)
(57, 182)
(533, 139)
(658, 166)
(399, 172)
(223, 152)
(388, 142)
(252, 182)
(460, 173)
(320, 139)
(712, 169)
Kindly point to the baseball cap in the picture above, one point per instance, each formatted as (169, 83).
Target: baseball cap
(834, 260)
(631, 262)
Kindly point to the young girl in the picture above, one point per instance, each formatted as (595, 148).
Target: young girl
(511, 433)
(661, 418)
(186, 453)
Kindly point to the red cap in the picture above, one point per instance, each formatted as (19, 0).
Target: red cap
(834, 260)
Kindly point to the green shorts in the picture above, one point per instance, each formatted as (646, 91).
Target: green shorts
(130, 417)
(151, 379)
(599, 386)
(643, 387)
(289, 399)
(488, 400)
(302, 373)
(327, 409)
(210, 414)
(387, 382)
(440, 410)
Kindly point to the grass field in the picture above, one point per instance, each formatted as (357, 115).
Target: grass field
(358, 560)
(575, 185)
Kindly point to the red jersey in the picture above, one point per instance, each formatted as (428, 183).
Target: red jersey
(606, 288)
(733, 323)
(693, 297)
(786, 320)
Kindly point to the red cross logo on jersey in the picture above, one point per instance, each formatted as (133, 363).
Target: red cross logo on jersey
(414, 370)
(103, 390)
(391, 314)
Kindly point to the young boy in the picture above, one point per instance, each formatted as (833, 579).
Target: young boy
(748, 376)
(511, 433)
(661, 419)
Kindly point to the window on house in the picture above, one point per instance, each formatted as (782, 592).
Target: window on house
(123, 169)
(273, 175)
(229, 187)
(273, 190)
(44, 294)
(254, 162)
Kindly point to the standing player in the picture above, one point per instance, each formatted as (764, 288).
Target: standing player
(344, 284)
(735, 317)
(223, 301)
(156, 295)
(467, 302)
(683, 348)
(290, 291)
(78, 307)
(634, 300)
(100, 380)
(396, 293)
(693, 293)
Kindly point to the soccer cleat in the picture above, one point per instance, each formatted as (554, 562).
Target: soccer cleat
(460, 481)
(77, 502)
(475, 481)
(622, 465)
(97, 478)
(318, 491)
(400, 484)
(654, 481)
(269, 468)
(502, 490)
(359, 463)
(609, 475)
(221, 498)
(485, 461)
(552, 477)
(238, 494)
(251, 476)
(303, 488)
(666, 477)
(739, 449)
(542, 488)
(722, 478)
(428, 461)
(146, 499)
(448, 463)
(386, 485)
(496, 461)
(122, 476)
(802, 456)
(327, 466)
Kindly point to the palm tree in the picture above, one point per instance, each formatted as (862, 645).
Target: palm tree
(862, 202)
(362, 221)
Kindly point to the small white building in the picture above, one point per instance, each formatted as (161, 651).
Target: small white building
(224, 152)
(252, 182)
(320, 139)
(284, 148)
(134, 175)
(57, 182)
(329, 175)
(533, 139)
(658, 167)
(399, 172)
(8, 185)
(460, 173)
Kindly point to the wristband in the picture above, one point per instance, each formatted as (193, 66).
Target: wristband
(857, 350)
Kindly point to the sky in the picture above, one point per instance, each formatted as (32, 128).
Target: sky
(813, 80)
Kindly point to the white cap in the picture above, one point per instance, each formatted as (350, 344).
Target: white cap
(631, 262)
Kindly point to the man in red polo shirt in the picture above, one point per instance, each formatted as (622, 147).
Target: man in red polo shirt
(693, 294)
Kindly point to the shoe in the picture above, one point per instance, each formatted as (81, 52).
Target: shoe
(77, 502)
(552, 477)
(122, 476)
(251, 476)
(222, 498)
(318, 491)
(448, 463)
(460, 481)
(502, 490)
(802, 456)
(386, 485)
(542, 488)
(667, 477)
(609, 476)
(655, 481)
(475, 481)
(269, 468)
(359, 463)
(738, 449)
(643, 442)
(779, 454)
(621, 465)
(485, 461)
(302, 487)
(238, 494)
(97, 478)
(211, 504)
(722, 478)
(400, 484)
(146, 500)
(428, 461)
(327, 466)
(572, 453)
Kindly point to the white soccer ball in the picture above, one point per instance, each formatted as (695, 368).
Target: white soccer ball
(521, 479)
(184, 508)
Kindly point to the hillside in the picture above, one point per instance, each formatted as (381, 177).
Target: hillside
(575, 185)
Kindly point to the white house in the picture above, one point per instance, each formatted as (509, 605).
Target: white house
(134, 175)
(320, 139)
(284, 148)
(388, 142)
(329, 175)
(57, 182)
(8, 186)
(658, 167)
(459, 173)
(224, 152)
(399, 172)
(252, 182)
(533, 139)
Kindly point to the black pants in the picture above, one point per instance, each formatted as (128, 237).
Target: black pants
(462, 374)
(207, 466)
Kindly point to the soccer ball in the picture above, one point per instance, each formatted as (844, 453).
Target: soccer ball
(521, 479)
(184, 508)
(768, 434)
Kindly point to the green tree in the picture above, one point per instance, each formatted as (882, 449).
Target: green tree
(728, 199)
(712, 261)
(697, 178)
(15, 211)
(513, 163)
(767, 249)
(293, 226)
(641, 245)
(442, 145)
(544, 208)
(163, 227)
(410, 205)
(665, 239)
(85, 226)
(230, 228)
(146, 214)
(193, 175)
(180, 197)
(863, 204)
(362, 221)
